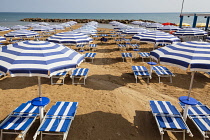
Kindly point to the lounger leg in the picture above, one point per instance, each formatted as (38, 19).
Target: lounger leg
(184, 135)
(161, 136)
(159, 79)
(51, 81)
(41, 136)
(170, 79)
(1, 135)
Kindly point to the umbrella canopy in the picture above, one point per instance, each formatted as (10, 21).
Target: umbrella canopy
(154, 25)
(194, 56)
(190, 32)
(168, 23)
(57, 27)
(21, 33)
(184, 24)
(133, 31)
(37, 58)
(70, 38)
(2, 38)
(18, 27)
(42, 28)
(44, 23)
(169, 28)
(4, 28)
(156, 37)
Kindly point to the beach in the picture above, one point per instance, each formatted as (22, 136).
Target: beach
(112, 106)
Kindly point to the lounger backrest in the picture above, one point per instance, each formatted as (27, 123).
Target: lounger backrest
(80, 71)
(203, 123)
(90, 54)
(27, 108)
(63, 109)
(139, 68)
(160, 70)
(144, 54)
(163, 107)
(126, 55)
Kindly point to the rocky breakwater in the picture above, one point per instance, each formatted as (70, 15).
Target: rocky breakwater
(104, 21)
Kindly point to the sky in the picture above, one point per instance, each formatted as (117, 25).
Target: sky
(104, 6)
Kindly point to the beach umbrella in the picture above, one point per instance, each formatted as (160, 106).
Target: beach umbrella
(43, 23)
(133, 31)
(21, 33)
(168, 23)
(19, 27)
(73, 38)
(57, 27)
(208, 38)
(193, 55)
(4, 28)
(156, 37)
(168, 28)
(42, 28)
(37, 58)
(144, 24)
(154, 25)
(190, 32)
(2, 38)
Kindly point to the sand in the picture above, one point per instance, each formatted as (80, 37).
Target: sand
(112, 106)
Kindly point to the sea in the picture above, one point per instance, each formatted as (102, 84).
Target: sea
(9, 19)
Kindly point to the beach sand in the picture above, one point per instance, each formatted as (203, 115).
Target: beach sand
(112, 106)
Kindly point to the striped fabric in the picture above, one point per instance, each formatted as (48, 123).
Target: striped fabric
(121, 45)
(161, 70)
(154, 25)
(167, 117)
(141, 73)
(190, 32)
(21, 33)
(4, 28)
(168, 28)
(19, 27)
(58, 119)
(61, 73)
(156, 37)
(71, 38)
(2, 38)
(200, 115)
(144, 54)
(133, 31)
(21, 118)
(90, 55)
(37, 58)
(208, 38)
(139, 68)
(80, 46)
(80, 72)
(42, 28)
(93, 45)
(195, 55)
(134, 45)
(126, 55)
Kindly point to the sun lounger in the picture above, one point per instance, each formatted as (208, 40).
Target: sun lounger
(162, 71)
(126, 55)
(168, 118)
(80, 46)
(58, 119)
(144, 55)
(200, 116)
(20, 120)
(93, 47)
(122, 47)
(79, 73)
(61, 76)
(90, 55)
(141, 71)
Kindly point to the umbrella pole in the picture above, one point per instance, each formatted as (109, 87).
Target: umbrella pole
(41, 109)
(40, 87)
(191, 83)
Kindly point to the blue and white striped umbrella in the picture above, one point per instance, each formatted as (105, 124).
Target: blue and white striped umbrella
(154, 25)
(21, 33)
(70, 38)
(4, 28)
(57, 27)
(208, 38)
(37, 58)
(42, 28)
(133, 31)
(190, 32)
(19, 27)
(156, 37)
(194, 56)
(44, 23)
(2, 38)
(168, 28)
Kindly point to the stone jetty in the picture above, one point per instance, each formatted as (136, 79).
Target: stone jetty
(103, 21)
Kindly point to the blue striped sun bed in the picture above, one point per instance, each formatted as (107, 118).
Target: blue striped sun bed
(126, 55)
(141, 71)
(79, 73)
(168, 118)
(58, 119)
(122, 46)
(162, 71)
(20, 120)
(60, 75)
(200, 116)
(90, 55)
(144, 55)
(93, 47)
